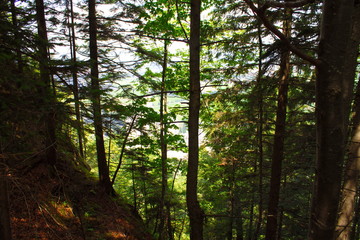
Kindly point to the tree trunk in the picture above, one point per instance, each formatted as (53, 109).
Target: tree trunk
(122, 151)
(259, 168)
(164, 217)
(74, 72)
(239, 220)
(20, 63)
(281, 216)
(334, 86)
(133, 167)
(45, 92)
(347, 205)
(355, 228)
(278, 147)
(350, 187)
(249, 231)
(233, 200)
(196, 215)
(5, 229)
(95, 98)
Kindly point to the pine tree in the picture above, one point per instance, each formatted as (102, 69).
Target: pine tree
(96, 101)
(45, 90)
(196, 215)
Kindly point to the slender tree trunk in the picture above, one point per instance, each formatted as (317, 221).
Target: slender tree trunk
(355, 228)
(281, 215)
(5, 229)
(145, 193)
(74, 72)
(239, 219)
(232, 201)
(135, 202)
(96, 102)
(260, 137)
(164, 217)
(109, 146)
(45, 90)
(196, 214)
(20, 63)
(278, 147)
(170, 227)
(334, 87)
(122, 151)
(249, 232)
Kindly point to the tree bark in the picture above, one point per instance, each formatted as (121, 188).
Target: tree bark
(347, 205)
(20, 63)
(48, 100)
(278, 147)
(350, 186)
(335, 67)
(5, 229)
(164, 217)
(122, 151)
(334, 86)
(259, 167)
(196, 215)
(74, 72)
(96, 102)
(355, 227)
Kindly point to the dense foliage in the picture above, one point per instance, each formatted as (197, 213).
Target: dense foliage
(56, 96)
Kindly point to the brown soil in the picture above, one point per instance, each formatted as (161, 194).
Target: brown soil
(62, 203)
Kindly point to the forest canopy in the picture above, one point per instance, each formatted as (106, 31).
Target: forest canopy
(213, 119)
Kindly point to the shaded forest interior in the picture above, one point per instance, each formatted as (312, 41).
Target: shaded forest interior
(167, 119)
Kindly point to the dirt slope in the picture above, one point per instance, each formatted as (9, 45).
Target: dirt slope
(62, 203)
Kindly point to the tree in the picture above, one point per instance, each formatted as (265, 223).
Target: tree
(350, 186)
(278, 147)
(96, 101)
(196, 215)
(5, 229)
(334, 85)
(134, 63)
(259, 166)
(74, 72)
(45, 91)
(16, 35)
(164, 205)
(335, 67)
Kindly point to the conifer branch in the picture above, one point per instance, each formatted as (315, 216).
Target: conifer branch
(294, 4)
(158, 93)
(260, 12)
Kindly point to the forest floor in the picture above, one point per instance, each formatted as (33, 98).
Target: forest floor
(63, 203)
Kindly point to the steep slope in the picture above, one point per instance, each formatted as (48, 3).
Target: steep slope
(46, 200)
(61, 202)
